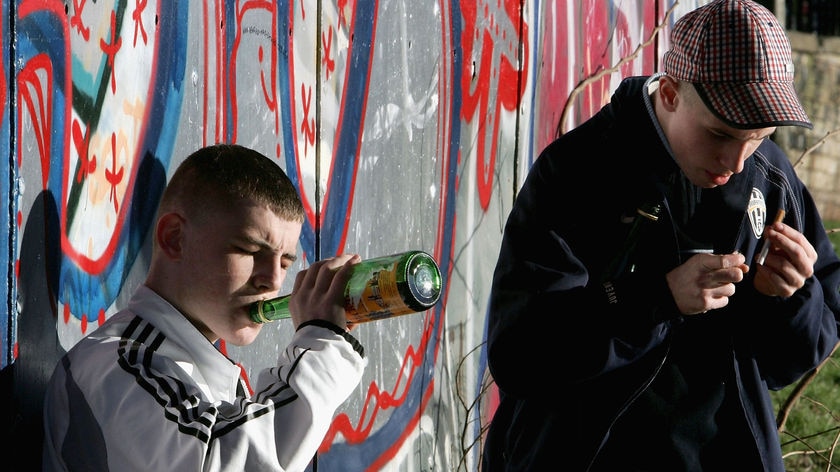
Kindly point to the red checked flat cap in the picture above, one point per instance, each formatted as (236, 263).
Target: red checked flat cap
(738, 57)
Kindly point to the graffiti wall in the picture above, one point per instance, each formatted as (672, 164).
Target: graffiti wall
(405, 124)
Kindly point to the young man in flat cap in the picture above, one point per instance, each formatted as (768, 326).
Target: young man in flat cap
(635, 322)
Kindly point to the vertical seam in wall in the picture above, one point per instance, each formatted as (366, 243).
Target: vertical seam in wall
(8, 349)
(518, 110)
(317, 185)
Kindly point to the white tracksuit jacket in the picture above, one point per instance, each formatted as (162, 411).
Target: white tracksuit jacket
(147, 391)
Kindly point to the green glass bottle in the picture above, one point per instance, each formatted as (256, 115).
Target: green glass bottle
(380, 287)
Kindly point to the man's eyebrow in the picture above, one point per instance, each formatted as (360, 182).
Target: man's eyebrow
(292, 257)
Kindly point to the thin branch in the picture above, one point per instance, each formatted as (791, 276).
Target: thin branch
(597, 75)
(790, 401)
(815, 146)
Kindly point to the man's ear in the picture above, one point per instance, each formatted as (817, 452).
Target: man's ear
(669, 93)
(169, 234)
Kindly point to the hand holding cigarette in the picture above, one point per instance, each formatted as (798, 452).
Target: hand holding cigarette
(780, 215)
(792, 265)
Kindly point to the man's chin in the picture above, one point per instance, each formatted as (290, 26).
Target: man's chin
(245, 336)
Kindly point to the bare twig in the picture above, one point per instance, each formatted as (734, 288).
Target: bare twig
(470, 410)
(791, 400)
(597, 75)
(814, 147)
(833, 448)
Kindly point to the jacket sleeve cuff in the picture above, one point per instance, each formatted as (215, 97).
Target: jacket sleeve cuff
(357, 346)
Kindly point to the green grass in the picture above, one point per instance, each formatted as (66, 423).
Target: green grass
(810, 433)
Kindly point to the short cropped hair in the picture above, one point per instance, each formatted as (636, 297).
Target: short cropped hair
(220, 174)
(689, 94)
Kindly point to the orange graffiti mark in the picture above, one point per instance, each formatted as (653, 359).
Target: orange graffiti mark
(76, 19)
(272, 103)
(492, 80)
(82, 145)
(38, 103)
(382, 400)
(307, 125)
(114, 178)
(342, 18)
(111, 49)
(328, 61)
(138, 20)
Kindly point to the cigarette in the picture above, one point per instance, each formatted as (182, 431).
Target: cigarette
(780, 215)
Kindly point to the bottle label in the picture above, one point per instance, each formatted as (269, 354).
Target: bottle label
(380, 298)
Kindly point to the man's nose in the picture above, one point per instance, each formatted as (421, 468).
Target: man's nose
(735, 156)
(269, 273)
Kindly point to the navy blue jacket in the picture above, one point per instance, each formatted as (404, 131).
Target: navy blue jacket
(570, 353)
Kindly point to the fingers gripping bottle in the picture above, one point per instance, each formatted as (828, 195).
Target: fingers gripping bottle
(381, 287)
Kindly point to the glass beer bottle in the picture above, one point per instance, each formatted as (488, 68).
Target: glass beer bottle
(380, 287)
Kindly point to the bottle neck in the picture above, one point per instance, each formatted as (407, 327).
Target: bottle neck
(273, 309)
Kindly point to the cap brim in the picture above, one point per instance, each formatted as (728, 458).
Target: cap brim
(754, 105)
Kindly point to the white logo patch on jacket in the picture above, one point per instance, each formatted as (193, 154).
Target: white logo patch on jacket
(757, 211)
